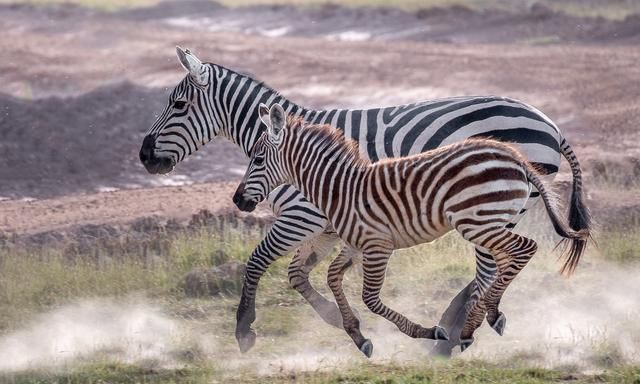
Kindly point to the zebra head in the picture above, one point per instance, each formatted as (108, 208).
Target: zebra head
(185, 124)
(265, 171)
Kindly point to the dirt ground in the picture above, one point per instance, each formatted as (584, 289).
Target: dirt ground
(78, 89)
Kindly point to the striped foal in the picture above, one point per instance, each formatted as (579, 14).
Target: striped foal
(213, 101)
(475, 187)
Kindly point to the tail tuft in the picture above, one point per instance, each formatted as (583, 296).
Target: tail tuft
(572, 250)
(579, 215)
(574, 241)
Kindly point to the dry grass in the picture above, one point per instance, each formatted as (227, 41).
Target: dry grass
(201, 348)
(458, 372)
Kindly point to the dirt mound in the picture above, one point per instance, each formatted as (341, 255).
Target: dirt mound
(56, 146)
(53, 145)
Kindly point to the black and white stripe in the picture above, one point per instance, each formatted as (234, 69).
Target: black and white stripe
(476, 187)
(215, 101)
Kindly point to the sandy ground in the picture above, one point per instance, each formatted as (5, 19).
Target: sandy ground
(79, 88)
(181, 202)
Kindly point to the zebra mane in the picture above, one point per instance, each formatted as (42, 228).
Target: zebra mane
(247, 75)
(331, 140)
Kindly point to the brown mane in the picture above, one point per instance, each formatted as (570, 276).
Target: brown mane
(331, 137)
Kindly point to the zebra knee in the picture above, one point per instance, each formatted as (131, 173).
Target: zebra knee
(297, 278)
(254, 270)
(373, 302)
(334, 278)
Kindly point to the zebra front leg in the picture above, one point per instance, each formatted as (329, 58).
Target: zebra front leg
(374, 267)
(280, 240)
(306, 258)
(350, 322)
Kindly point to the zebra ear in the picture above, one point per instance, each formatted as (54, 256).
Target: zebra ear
(193, 65)
(263, 112)
(277, 118)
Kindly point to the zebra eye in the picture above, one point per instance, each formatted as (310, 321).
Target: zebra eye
(258, 160)
(179, 104)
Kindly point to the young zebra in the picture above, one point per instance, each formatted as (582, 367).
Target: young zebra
(213, 101)
(474, 187)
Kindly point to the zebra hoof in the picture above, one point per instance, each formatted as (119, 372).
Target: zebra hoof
(442, 349)
(440, 333)
(499, 324)
(367, 348)
(246, 341)
(465, 343)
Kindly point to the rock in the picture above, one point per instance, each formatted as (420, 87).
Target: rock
(225, 278)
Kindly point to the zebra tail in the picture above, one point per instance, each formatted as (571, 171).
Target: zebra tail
(574, 240)
(579, 214)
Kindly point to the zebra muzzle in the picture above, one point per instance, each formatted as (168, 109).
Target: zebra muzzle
(242, 202)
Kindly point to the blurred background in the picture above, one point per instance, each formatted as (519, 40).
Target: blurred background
(96, 254)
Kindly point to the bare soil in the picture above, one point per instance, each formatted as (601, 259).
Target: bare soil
(79, 88)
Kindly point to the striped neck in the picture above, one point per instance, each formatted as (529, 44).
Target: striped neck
(237, 98)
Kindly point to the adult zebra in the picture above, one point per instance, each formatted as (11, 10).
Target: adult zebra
(215, 101)
(475, 186)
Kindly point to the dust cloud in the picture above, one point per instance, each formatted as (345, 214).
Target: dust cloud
(129, 332)
(588, 321)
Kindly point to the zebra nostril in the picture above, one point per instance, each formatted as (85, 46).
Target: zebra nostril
(237, 196)
(146, 151)
(143, 156)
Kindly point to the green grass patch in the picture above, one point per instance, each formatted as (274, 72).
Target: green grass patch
(620, 247)
(452, 372)
(113, 373)
(420, 282)
(35, 280)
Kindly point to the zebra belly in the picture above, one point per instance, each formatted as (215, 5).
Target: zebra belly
(407, 239)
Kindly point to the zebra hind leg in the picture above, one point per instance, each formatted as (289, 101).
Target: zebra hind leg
(519, 250)
(498, 324)
(454, 316)
(511, 253)
(452, 320)
(306, 258)
(374, 268)
(486, 270)
(350, 322)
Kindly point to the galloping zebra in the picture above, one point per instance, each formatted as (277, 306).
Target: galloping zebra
(475, 187)
(215, 101)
